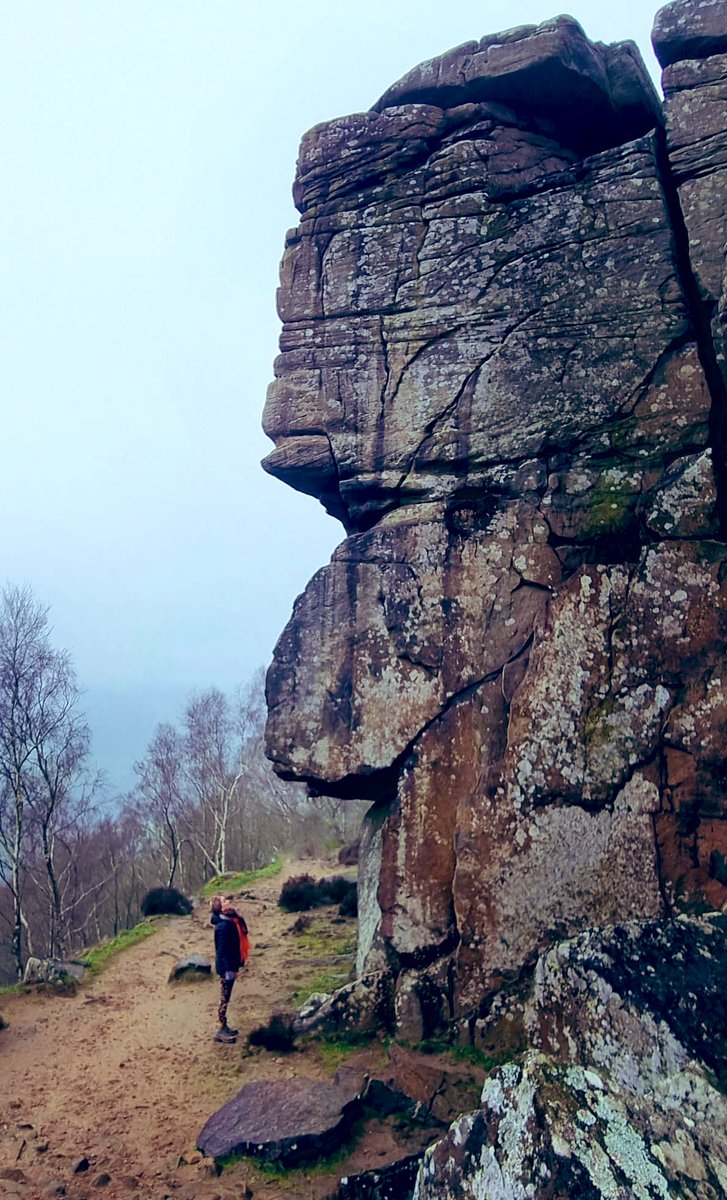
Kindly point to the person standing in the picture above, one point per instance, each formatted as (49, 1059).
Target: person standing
(232, 950)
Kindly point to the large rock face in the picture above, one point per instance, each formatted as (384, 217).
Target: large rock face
(503, 369)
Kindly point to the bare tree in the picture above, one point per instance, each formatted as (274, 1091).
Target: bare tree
(161, 794)
(43, 742)
(213, 769)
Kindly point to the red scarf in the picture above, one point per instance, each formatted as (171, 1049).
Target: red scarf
(241, 926)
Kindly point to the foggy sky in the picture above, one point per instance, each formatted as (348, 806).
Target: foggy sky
(147, 150)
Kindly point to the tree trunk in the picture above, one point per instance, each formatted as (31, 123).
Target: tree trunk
(57, 938)
(17, 934)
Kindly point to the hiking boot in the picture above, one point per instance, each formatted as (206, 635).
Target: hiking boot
(225, 1035)
(228, 1030)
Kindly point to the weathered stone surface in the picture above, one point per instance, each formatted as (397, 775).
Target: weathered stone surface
(547, 1129)
(282, 1120)
(685, 502)
(618, 1099)
(425, 336)
(692, 35)
(500, 368)
(690, 29)
(550, 71)
(655, 1002)
(394, 629)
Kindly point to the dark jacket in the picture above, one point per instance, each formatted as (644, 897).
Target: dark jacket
(228, 956)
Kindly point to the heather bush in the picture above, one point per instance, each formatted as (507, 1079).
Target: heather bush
(299, 894)
(276, 1035)
(302, 893)
(165, 900)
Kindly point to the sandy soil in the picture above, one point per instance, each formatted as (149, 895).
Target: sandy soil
(125, 1073)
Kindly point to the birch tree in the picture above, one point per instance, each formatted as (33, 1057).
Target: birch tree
(161, 796)
(43, 743)
(213, 770)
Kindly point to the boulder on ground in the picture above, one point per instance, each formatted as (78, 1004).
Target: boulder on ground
(570, 1129)
(191, 968)
(52, 970)
(284, 1120)
(656, 1002)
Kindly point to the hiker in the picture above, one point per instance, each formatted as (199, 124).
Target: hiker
(232, 949)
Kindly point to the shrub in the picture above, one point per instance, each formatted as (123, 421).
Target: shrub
(349, 904)
(333, 889)
(165, 900)
(276, 1035)
(299, 894)
(303, 893)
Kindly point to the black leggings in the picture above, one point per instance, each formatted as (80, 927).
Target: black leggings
(226, 986)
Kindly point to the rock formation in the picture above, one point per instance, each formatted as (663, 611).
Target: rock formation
(623, 1093)
(503, 368)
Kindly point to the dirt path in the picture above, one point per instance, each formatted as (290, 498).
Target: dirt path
(125, 1073)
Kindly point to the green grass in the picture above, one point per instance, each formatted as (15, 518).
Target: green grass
(315, 942)
(14, 989)
(335, 1049)
(466, 1054)
(97, 958)
(322, 940)
(327, 981)
(288, 1178)
(235, 881)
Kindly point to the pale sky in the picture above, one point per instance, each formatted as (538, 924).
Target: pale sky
(147, 150)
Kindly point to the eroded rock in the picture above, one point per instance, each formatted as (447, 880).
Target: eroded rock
(551, 72)
(546, 1129)
(502, 368)
(428, 1089)
(685, 29)
(655, 1003)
